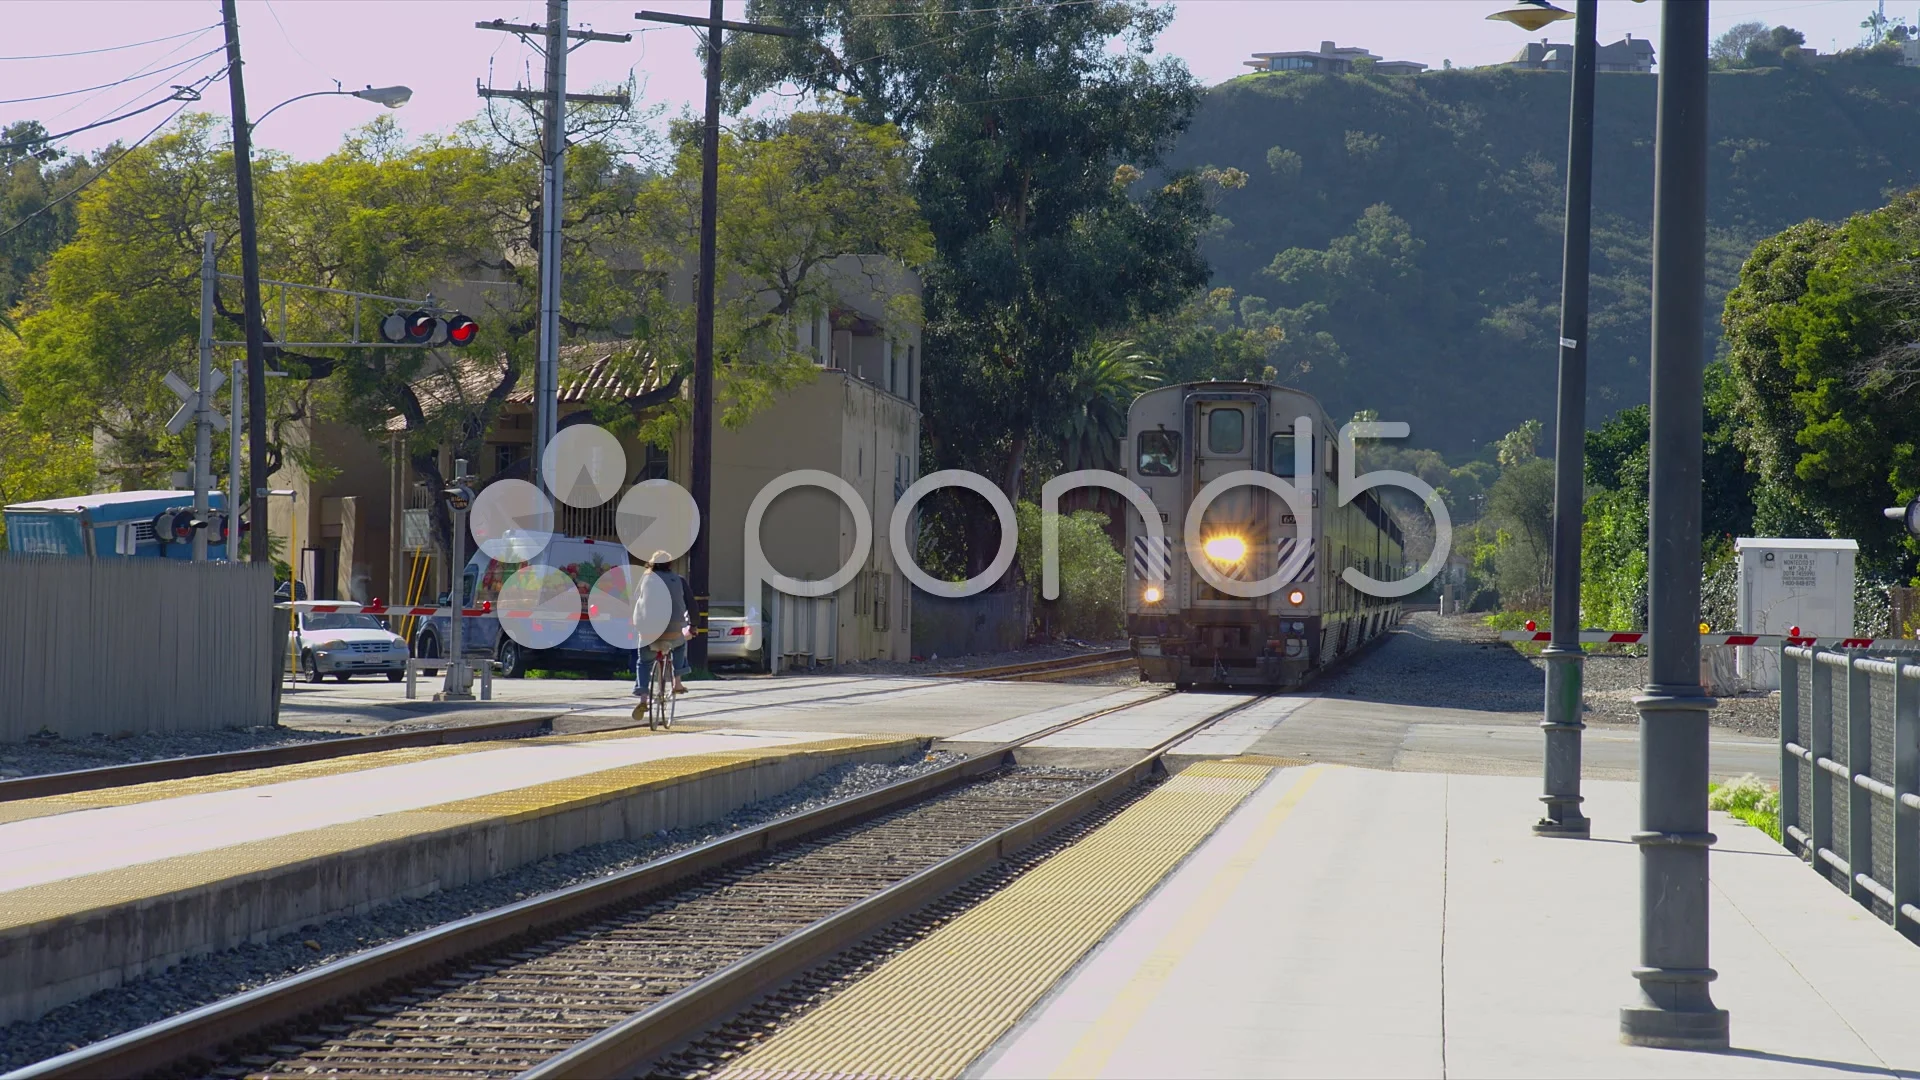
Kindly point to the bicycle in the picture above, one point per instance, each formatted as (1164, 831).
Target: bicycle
(660, 700)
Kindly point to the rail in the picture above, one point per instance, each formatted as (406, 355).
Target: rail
(1063, 667)
(1865, 837)
(215, 1031)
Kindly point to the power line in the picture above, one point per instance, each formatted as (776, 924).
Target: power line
(181, 93)
(118, 82)
(111, 48)
(974, 11)
(147, 70)
(104, 169)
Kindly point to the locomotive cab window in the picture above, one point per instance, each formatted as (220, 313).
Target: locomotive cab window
(1226, 431)
(1283, 450)
(1159, 453)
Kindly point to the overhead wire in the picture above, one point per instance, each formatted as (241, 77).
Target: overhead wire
(146, 70)
(108, 167)
(169, 69)
(112, 48)
(180, 94)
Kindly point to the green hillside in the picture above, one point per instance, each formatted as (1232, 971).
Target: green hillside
(1439, 305)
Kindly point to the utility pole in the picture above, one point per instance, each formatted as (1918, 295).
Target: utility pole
(202, 428)
(250, 293)
(1564, 656)
(1674, 1009)
(553, 154)
(701, 474)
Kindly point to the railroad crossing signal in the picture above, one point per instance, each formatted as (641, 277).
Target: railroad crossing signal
(191, 403)
(428, 328)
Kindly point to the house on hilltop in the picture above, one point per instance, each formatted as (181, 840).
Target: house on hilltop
(1629, 54)
(1331, 60)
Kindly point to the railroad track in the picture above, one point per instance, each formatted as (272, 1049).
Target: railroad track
(602, 978)
(1065, 667)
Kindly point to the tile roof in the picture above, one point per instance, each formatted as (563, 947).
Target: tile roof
(589, 372)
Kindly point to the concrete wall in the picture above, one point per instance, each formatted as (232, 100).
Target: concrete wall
(990, 622)
(133, 645)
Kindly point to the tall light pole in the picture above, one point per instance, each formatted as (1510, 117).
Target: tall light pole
(1675, 1009)
(1564, 656)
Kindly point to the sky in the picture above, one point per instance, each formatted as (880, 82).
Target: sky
(298, 46)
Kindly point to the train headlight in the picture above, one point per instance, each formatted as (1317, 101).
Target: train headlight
(1296, 597)
(1150, 594)
(1225, 549)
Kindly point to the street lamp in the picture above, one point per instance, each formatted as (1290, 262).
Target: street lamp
(1564, 657)
(391, 96)
(1531, 15)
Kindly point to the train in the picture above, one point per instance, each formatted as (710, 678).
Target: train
(1302, 617)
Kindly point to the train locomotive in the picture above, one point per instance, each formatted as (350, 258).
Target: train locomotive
(1276, 610)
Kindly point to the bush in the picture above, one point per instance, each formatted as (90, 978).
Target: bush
(1093, 575)
(1749, 799)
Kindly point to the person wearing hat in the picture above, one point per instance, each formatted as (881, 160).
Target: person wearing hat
(679, 627)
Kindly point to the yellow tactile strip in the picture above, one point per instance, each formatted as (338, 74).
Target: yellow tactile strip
(930, 1011)
(163, 877)
(131, 794)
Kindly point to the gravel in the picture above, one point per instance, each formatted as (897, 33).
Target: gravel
(37, 756)
(1458, 662)
(203, 979)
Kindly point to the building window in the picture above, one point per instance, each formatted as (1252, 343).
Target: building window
(655, 466)
(504, 455)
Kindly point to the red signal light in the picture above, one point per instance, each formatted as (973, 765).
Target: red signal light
(461, 330)
(420, 327)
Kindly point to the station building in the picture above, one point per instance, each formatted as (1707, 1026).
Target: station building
(361, 514)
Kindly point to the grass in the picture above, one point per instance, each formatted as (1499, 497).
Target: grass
(1749, 799)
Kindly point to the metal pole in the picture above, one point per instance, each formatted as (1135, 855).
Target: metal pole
(237, 407)
(1564, 656)
(702, 471)
(457, 686)
(553, 150)
(202, 425)
(1675, 1009)
(250, 288)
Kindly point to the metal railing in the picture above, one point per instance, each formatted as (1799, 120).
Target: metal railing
(1865, 836)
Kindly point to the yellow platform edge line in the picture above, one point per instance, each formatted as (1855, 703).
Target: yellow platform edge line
(156, 790)
(930, 1011)
(75, 896)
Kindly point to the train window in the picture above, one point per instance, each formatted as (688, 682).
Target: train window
(1226, 431)
(1283, 449)
(1159, 453)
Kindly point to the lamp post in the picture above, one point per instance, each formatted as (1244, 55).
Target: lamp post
(1675, 1009)
(391, 96)
(1564, 656)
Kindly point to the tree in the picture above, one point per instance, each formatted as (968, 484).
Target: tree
(1103, 381)
(791, 199)
(1781, 45)
(1031, 133)
(1730, 48)
(1823, 371)
(36, 213)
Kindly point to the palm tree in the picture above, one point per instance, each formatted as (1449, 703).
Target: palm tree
(1102, 382)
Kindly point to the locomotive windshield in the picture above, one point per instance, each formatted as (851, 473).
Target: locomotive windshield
(1283, 455)
(1226, 431)
(1159, 453)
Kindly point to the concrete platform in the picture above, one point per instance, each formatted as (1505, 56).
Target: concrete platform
(99, 887)
(1359, 923)
(1405, 924)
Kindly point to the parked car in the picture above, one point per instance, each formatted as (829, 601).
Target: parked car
(735, 634)
(481, 637)
(344, 643)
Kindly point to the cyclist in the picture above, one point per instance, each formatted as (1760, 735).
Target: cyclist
(679, 627)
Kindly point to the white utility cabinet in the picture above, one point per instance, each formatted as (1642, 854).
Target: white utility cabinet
(1786, 583)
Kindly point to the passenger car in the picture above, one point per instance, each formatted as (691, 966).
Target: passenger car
(735, 633)
(344, 643)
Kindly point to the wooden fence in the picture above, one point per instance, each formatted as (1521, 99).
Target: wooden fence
(111, 646)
